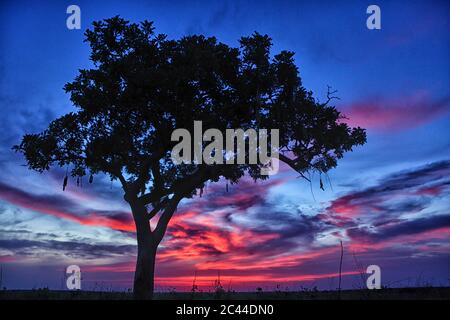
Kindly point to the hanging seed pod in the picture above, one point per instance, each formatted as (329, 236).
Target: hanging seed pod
(65, 182)
(91, 178)
(227, 186)
(78, 181)
(321, 184)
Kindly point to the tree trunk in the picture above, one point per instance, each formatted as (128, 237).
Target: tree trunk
(148, 242)
(145, 262)
(145, 272)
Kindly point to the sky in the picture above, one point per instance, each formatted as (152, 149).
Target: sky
(388, 201)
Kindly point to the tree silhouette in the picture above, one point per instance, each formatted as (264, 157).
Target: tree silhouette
(143, 86)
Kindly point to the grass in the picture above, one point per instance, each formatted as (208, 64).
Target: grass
(419, 293)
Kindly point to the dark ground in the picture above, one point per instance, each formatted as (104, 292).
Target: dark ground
(423, 293)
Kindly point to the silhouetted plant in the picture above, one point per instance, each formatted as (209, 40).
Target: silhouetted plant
(143, 86)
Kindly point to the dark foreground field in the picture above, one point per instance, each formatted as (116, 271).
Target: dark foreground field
(428, 293)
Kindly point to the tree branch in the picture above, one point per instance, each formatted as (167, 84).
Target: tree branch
(163, 221)
(293, 164)
(157, 208)
(153, 197)
(330, 95)
(184, 188)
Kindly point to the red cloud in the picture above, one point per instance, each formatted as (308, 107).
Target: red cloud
(62, 208)
(245, 281)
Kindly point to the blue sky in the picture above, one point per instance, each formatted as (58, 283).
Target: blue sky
(392, 81)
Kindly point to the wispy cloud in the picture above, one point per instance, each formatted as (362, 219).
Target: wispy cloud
(388, 115)
(62, 207)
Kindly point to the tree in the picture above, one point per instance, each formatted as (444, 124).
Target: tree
(143, 86)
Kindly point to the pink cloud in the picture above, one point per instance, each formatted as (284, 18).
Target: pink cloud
(60, 207)
(396, 114)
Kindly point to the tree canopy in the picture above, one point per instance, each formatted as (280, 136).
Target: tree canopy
(142, 86)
